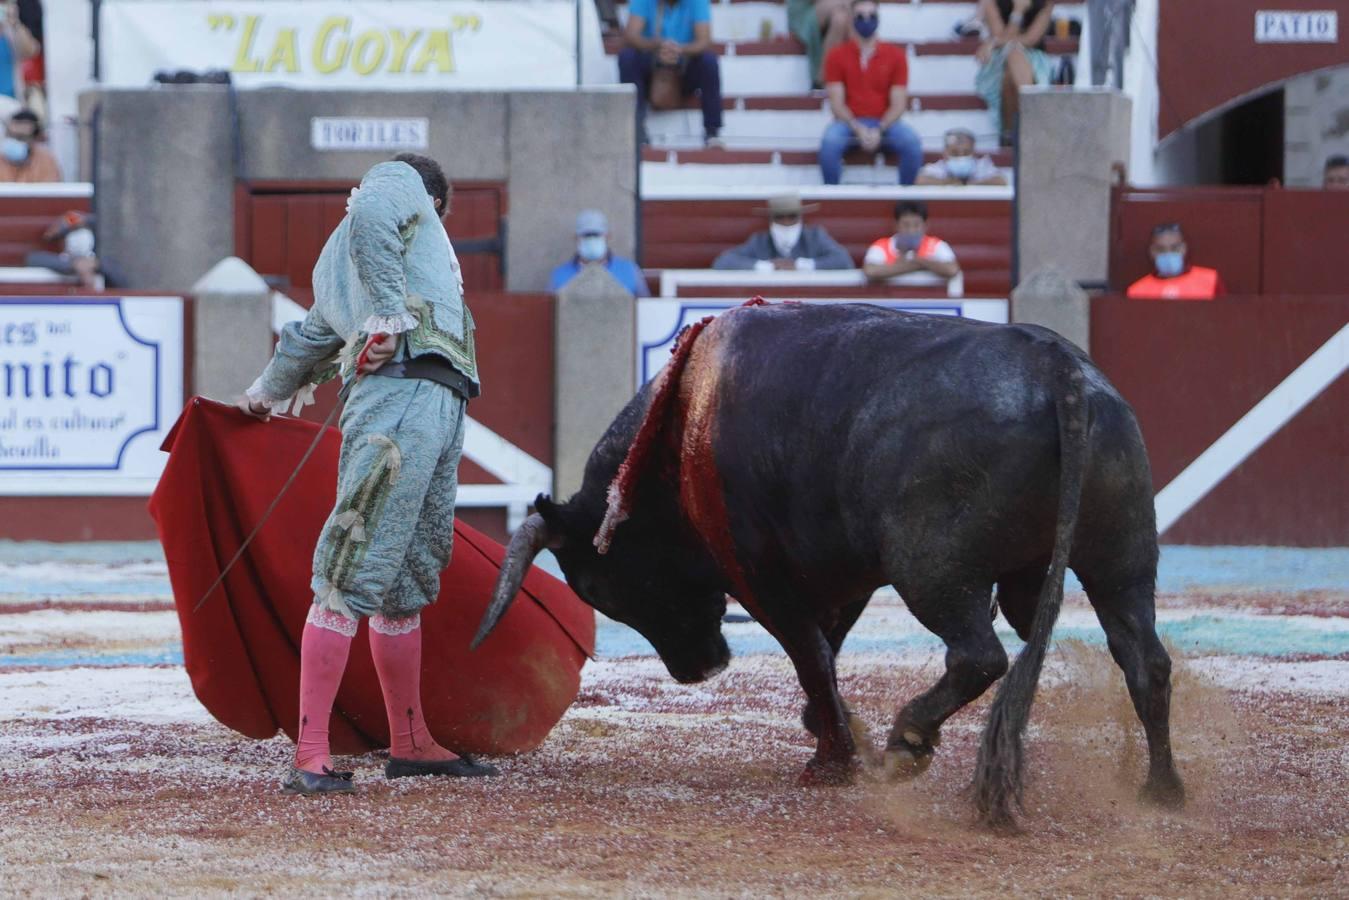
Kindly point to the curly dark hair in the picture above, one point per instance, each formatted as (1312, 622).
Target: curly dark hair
(433, 177)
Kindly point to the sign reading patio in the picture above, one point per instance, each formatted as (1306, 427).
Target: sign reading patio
(1276, 26)
(88, 389)
(380, 44)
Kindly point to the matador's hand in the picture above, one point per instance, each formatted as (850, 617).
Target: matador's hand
(254, 410)
(378, 350)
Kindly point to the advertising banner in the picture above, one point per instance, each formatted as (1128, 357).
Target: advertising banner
(404, 44)
(660, 320)
(88, 391)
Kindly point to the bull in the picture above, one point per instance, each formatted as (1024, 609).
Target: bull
(799, 456)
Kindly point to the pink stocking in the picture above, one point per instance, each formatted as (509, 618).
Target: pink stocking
(396, 645)
(323, 657)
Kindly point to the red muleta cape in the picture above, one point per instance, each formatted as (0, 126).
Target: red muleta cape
(242, 649)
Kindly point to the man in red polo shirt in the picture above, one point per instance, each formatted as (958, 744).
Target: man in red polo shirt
(1173, 278)
(867, 82)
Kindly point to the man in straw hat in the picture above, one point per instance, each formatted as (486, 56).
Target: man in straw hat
(788, 243)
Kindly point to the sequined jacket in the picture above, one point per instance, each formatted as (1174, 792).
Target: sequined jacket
(388, 267)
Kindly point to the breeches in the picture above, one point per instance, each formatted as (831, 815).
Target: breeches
(390, 535)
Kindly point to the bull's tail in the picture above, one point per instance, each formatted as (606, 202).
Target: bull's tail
(999, 771)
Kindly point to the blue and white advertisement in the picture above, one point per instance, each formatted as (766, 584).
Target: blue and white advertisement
(660, 319)
(88, 390)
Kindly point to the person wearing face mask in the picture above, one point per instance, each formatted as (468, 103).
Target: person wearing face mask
(23, 158)
(592, 249)
(960, 165)
(867, 83)
(910, 248)
(1173, 278)
(788, 243)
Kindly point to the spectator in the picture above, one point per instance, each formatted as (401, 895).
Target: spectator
(17, 45)
(673, 39)
(910, 248)
(1013, 57)
(821, 25)
(1172, 278)
(788, 243)
(867, 82)
(23, 157)
(1336, 176)
(959, 165)
(592, 249)
(76, 232)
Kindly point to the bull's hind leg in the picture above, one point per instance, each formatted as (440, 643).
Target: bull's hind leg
(1129, 620)
(959, 615)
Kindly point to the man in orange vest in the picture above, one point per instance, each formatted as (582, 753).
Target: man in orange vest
(910, 248)
(1172, 278)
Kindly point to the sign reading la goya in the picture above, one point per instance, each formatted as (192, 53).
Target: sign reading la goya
(88, 391)
(404, 44)
(1281, 26)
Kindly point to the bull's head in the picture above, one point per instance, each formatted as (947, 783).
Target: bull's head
(649, 580)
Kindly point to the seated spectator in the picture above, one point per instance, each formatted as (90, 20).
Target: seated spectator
(1172, 279)
(23, 158)
(788, 243)
(1336, 176)
(910, 248)
(592, 249)
(1013, 57)
(75, 231)
(959, 165)
(17, 45)
(867, 81)
(673, 39)
(821, 25)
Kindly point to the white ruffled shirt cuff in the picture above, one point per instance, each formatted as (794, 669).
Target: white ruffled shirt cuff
(256, 394)
(396, 324)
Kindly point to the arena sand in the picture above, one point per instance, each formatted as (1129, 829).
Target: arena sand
(116, 783)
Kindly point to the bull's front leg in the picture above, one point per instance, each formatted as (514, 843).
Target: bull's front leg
(809, 649)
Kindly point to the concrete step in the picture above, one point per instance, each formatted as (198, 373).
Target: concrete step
(746, 129)
(774, 75)
(816, 100)
(661, 177)
(901, 22)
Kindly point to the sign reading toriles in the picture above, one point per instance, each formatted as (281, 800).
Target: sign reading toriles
(328, 133)
(1276, 26)
(88, 390)
(408, 44)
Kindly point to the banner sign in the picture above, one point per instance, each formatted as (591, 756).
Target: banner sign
(88, 391)
(1297, 27)
(404, 44)
(660, 320)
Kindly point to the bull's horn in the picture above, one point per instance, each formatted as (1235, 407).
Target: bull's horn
(528, 540)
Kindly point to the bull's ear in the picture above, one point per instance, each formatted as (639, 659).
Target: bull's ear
(555, 516)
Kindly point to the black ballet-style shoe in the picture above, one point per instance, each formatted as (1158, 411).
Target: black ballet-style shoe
(463, 767)
(310, 783)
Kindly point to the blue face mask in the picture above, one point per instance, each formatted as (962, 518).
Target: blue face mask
(1169, 265)
(14, 150)
(866, 25)
(592, 247)
(961, 167)
(908, 242)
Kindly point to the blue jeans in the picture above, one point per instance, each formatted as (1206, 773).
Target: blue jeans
(898, 138)
(700, 74)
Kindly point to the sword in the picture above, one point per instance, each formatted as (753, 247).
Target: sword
(313, 445)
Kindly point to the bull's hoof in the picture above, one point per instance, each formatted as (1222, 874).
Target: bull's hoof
(830, 774)
(1165, 791)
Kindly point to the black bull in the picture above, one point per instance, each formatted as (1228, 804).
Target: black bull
(804, 455)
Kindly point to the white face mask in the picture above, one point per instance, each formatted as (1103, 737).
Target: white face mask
(785, 237)
(960, 166)
(592, 247)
